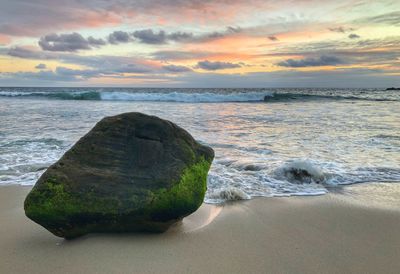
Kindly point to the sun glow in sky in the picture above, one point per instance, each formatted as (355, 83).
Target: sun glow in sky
(193, 43)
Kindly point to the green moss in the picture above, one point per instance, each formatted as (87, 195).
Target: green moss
(69, 214)
(53, 202)
(185, 196)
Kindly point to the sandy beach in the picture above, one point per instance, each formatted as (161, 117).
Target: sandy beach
(324, 234)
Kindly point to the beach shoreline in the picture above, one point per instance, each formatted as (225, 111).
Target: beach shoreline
(323, 234)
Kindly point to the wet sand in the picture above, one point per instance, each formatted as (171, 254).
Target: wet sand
(334, 233)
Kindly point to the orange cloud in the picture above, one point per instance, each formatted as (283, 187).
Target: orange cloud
(4, 39)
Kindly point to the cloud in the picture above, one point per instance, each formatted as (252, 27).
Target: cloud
(41, 66)
(64, 74)
(21, 52)
(148, 36)
(73, 42)
(68, 42)
(32, 19)
(324, 60)
(176, 69)
(180, 55)
(42, 75)
(108, 64)
(339, 78)
(354, 36)
(341, 29)
(273, 38)
(117, 37)
(229, 31)
(96, 42)
(61, 74)
(208, 65)
(392, 19)
(78, 73)
(180, 36)
(132, 68)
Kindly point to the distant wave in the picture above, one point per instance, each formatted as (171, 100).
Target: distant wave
(281, 97)
(143, 96)
(89, 95)
(185, 97)
(189, 97)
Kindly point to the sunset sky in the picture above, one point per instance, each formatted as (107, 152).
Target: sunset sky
(195, 43)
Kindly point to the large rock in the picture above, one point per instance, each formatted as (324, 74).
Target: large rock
(131, 172)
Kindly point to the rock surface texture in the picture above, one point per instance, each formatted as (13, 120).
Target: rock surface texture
(131, 172)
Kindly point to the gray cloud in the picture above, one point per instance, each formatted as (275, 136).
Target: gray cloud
(42, 75)
(65, 74)
(78, 73)
(176, 69)
(132, 68)
(208, 65)
(41, 66)
(29, 54)
(339, 78)
(37, 18)
(148, 36)
(324, 60)
(341, 29)
(231, 29)
(108, 64)
(217, 34)
(392, 18)
(331, 47)
(180, 55)
(117, 37)
(96, 42)
(28, 18)
(180, 36)
(273, 38)
(74, 41)
(68, 42)
(354, 36)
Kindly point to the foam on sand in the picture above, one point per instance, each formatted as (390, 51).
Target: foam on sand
(229, 194)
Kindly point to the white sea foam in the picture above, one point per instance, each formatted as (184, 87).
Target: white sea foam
(26, 160)
(300, 171)
(228, 194)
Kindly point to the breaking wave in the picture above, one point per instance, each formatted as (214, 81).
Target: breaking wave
(300, 171)
(282, 97)
(232, 180)
(194, 95)
(143, 96)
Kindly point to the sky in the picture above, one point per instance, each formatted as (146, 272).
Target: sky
(194, 43)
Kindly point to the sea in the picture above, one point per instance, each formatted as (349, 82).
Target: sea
(267, 142)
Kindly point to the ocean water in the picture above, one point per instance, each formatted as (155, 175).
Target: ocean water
(296, 142)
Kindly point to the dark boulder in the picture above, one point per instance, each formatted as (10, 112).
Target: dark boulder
(131, 172)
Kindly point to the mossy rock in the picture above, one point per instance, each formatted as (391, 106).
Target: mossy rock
(131, 172)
